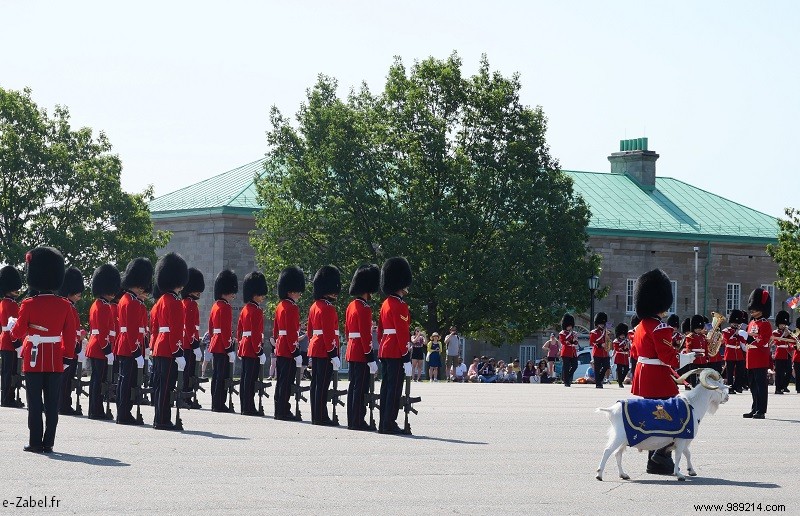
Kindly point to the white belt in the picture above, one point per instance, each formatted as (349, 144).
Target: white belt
(783, 346)
(699, 350)
(216, 331)
(622, 352)
(78, 333)
(282, 332)
(40, 339)
(651, 361)
(6, 328)
(247, 334)
(316, 332)
(163, 329)
(123, 329)
(336, 332)
(197, 327)
(95, 332)
(354, 335)
(389, 331)
(141, 329)
(731, 346)
(112, 333)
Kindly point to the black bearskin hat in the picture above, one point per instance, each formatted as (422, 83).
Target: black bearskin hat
(327, 280)
(760, 300)
(686, 325)
(44, 269)
(226, 283)
(171, 272)
(621, 330)
(674, 321)
(653, 294)
(138, 273)
(635, 321)
(105, 281)
(196, 283)
(366, 280)
(783, 317)
(567, 321)
(255, 284)
(698, 323)
(291, 279)
(73, 283)
(10, 280)
(737, 317)
(600, 318)
(395, 275)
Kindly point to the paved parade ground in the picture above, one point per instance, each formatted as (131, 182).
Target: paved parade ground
(476, 449)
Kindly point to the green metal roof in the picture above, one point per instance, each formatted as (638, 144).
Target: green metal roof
(673, 210)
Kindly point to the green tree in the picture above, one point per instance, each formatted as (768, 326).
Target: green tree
(61, 187)
(787, 253)
(452, 172)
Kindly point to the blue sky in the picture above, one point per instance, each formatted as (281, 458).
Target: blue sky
(182, 89)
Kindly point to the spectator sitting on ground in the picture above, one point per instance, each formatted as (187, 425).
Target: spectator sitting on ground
(487, 372)
(541, 372)
(501, 371)
(514, 368)
(472, 373)
(459, 372)
(529, 372)
(589, 376)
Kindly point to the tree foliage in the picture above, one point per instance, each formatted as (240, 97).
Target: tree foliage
(452, 172)
(787, 253)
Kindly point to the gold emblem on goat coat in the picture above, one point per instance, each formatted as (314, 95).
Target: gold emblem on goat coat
(660, 413)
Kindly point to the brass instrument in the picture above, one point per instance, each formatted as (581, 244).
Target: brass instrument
(715, 334)
(793, 338)
(609, 344)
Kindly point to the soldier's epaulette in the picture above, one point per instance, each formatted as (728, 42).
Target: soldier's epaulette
(662, 326)
(363, 302)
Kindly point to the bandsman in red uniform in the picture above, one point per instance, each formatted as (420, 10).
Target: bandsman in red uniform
(783, 360)
(597, 340)
(285, 334)
(796, 360)
(191, 332)
(657, 358)
(72, 290)
(360, 355)
(634, 352)
(250, 334)
(757, 359)
(172, 274)
(10, 285)
(222, 345)
(132, 314)
(696, 342)
(394, 334)
(323, 343)
(622, 350)
(47, 326)
(677, 337)
(569, 349)
(103, 331)
(734, 338)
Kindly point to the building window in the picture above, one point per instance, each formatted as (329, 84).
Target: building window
(771, 290)
(630, 306)
(733, 297)
(674, 307)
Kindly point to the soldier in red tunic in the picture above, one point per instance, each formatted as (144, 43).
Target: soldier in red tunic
(696, 342)
(285, 334)
(222, 345)
(654, 376)
(622, 349)
(634, 352)
(735, 341)
(569, 349)
(323, 344)
(360, 355)
(783, 362)
(796, 360)
(47, 325)
(250, 334)
(102, 328)
(395, 341)
(10, 285)
(191, 330)
(757, 360)
(597, 340)
(132, 314)
(72, 290)
(172, 274)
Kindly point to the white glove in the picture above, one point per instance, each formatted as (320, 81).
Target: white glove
(82, 356)
(407, 368)
(337, 363)
(742, 334)
(232, 357)
(373, 367)
(198, 355)
(298, 361)
(272, 340)
(207, 356)
(19, 352)
(262, 359)
(140, 362)
(147, 353)
(110, 358)
(181, 361)
(12, 321)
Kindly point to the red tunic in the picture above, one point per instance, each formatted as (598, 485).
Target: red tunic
(657, 358)
(8, 308)
(220, 327)
(781, 346)
(250, 330)
(697, 342)
(597, 339)
(569, 344)
(358, 327)
(634, 351)
(286, 329)
(323, 330)
(758, 351)
(78, 329)
(153, 327)
(394, 328)
(49, 317)
(169, 314)
(191, 322)
(733, 344)
(621, 351)
(101, 324)
(132, 325)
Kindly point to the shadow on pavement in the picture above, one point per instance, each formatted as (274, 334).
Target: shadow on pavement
(786, 420)
(709, 481)
(93, 461)
(212, 435)
(440, 439)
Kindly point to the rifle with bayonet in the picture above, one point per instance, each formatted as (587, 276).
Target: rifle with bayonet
(334, 396)
(407, 403)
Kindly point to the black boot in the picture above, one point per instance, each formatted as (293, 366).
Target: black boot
(660, 462)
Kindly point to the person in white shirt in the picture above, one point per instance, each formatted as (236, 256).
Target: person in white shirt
(459, 372)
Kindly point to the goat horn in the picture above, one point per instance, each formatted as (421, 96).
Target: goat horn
(682, 378)
(704, 374)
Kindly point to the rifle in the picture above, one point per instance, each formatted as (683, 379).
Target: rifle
(334, 396)
(138, 390)
(108, 388)
(408, 405)
(371, 399)
(195, 383)
(262, 388)
(178, 396)
(78, 385)
(17, 380)
(298, 392)
(231, 384)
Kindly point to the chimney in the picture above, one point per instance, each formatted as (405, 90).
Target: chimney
(636, 162)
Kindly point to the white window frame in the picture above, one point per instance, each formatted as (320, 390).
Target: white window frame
(731, 302)
(771, 289)
(672, 309)
(630, 302)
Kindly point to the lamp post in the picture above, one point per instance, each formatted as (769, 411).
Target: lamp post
(696, 250)
(593, 282)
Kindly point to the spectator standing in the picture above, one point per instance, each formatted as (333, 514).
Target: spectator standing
(459, 372)
(453, 343)
(551, 349)
(417, 355)
(434, 357)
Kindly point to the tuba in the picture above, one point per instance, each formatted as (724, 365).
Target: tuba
(715, 334)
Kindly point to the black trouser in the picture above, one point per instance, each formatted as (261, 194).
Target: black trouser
(125, 380)
(735, 374)
(758, 389)
(188, 372)
(163, 372)
(359, 383)
(99, 366)
(783, 372)
(622, 372)
(690, 367)
(65, 398)
(39, 388)
(797, 375)
(716, 366)
(218, 376)
(570, 366)
(601, 367)
(247, 387)
(7, 374)
(285, 373)
(321, 375)
(391, 391)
